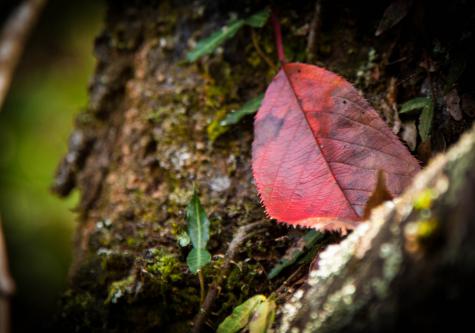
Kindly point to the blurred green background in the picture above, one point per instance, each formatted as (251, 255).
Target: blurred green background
(49, 88)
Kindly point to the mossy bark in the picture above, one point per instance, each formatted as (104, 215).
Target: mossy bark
(151, 131)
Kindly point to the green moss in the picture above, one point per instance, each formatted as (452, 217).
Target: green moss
(243, 281)
(132, 242)
(119, 288)
(165, 266)
(215, 129)
(235, 277)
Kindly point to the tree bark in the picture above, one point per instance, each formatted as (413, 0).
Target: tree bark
(409, 267)
(151, 131)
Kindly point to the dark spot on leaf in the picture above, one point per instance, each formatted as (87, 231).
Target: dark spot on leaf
(269, 128)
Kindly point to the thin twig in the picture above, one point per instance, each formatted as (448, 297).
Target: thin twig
(259, 51)
(279, 291)
(241, 235)
(7, 286)
(13, 38)
(314, 31)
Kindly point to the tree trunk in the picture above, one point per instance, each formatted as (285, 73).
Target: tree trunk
(151, 132)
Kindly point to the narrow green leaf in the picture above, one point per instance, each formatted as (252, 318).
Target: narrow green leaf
(197, 259)
(296, 252)
(198, 223)
(241, 315)
(210, 43)
(425, 122)
(248, 108)
(259, 19)
(417, 103)
(263, 317)
(425, 119)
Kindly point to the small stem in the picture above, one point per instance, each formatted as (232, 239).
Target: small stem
(202, 286)
(278, 38)
(259, 51)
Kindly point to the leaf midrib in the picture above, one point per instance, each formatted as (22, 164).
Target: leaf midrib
(316, 139)
(198, 218)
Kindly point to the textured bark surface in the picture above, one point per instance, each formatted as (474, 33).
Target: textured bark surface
(151, 130)
(135, 155)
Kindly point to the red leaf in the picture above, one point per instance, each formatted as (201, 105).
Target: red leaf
(318, 146)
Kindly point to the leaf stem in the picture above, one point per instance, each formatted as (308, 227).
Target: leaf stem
(278, 38)
(202, 286)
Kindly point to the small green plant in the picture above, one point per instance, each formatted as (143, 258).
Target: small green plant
(209, 44)
(248, 108)
(256, 314)
(198, 232)
(218, 127)
(425, 119)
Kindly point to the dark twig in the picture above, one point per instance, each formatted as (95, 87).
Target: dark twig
(242, 234)
(314, 31)
(13, 38)
(283, 291)
(7, 286)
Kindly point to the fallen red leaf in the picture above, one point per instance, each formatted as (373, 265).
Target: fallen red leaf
(318, 146)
